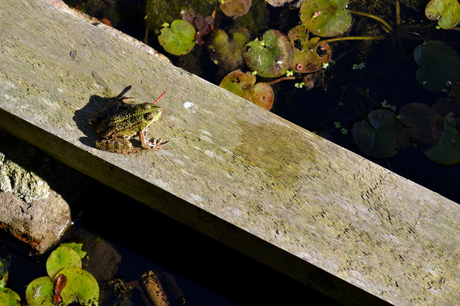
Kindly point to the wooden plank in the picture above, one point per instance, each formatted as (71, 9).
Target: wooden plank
(284, 196)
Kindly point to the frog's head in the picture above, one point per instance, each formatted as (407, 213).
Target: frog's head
(149, 113)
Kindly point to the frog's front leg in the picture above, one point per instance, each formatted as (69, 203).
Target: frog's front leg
(155, 144)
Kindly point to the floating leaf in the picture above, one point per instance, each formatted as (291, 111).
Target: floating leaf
(9, 298)
(40, 292)
(378, 137)
(77, 247)
(203, 25)
(61, 258)
(179, 39)
(309, 54)
(447, 152)
(446, 11)
(243, 85)
(235, 8)
(424, 126)
(270, 57)
(225, 51)
(81, 287)
(325, 18)
(439, 65)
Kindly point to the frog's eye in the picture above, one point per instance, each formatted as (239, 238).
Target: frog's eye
(148, 117)
(147, 106)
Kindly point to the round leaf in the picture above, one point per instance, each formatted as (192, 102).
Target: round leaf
(439, 65)
(270, 57)
(61, 258)
(447, 151)
(9, 298)
(179, 39)
(309, 54)
(81, 287)
(225, 51)
(235, 8)
(243, 85)
(325, 18)
(40, 292)
(378, 137)
(424, 125)
(447, 11)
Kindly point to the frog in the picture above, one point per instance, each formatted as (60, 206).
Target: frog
(119, 120)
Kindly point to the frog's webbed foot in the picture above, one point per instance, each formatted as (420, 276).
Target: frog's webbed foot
(158, 143)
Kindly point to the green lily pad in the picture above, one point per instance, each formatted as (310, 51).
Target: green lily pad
(446, 11)
(81, 287)
(447, 152)
(378, 136)
(235, 8)
(61, 258)
(439, 65)
(325, 18)
(179, 39)
(40, 292)
(309, 54)
(244, 85)
(9, 298)
(227, 52)
(271, 57)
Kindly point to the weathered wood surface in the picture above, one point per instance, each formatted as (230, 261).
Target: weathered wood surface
(266, 187)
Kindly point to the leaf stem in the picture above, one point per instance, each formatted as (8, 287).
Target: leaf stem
(387, 26)
(354, 38)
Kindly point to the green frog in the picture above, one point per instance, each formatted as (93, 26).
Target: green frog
(118, 121)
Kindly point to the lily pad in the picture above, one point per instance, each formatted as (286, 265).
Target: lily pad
(447, 152)
(227, 52)
(309, 54)
(179, 39)
(77, 247)
(325, 18)
(446, 11)
(271, 57)
(424, 125)
(40, 292)
(244, 85)
(378, 136)
(439, 65)
(235, 8)
(81, 287)
(9, 297)
(61, 258)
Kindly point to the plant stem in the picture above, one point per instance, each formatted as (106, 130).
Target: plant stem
(280, 79)
(386, 25)
(354, 38)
